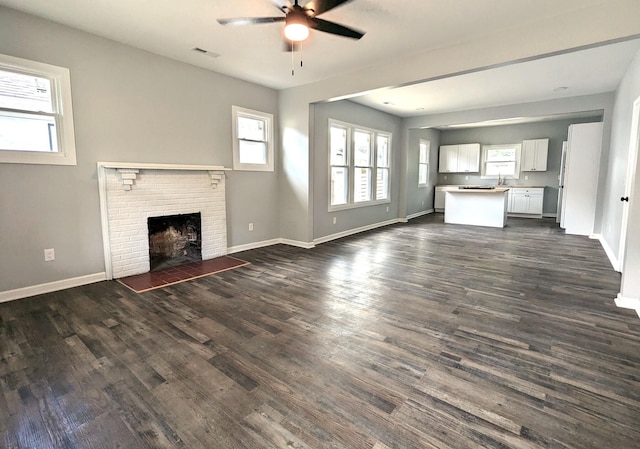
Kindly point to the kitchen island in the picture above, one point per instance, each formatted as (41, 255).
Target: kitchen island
(478, 206)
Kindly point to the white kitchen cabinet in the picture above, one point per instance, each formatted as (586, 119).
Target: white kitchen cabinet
(438, 202)
(469, 158)
(464, 158)
(534, 155)
(439, 197)
(526, 201)
(448, 159)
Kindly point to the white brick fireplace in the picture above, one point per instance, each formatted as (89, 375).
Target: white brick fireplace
(132, 192)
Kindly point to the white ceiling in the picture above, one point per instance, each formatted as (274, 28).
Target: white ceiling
(591, 71)
(401, 27)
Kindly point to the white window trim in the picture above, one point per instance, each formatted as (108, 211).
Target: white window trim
(428, 145)
(63, 112)
(237, 111)
(485, 148)
(351, 167)
(387, 167)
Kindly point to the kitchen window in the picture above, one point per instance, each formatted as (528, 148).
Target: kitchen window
(359, 166)
(501, 161)
(36, 116)
(423, 162)
(252, 140)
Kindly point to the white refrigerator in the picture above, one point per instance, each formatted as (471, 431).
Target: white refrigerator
(581, 174)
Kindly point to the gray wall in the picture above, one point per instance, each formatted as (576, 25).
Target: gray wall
(129, 105)
(356, 114)
(556, 131)
(420, 199)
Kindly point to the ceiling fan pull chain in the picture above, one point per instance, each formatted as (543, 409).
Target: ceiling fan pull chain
(293, 48)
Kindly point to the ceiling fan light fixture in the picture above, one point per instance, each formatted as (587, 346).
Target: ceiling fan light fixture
(296, 29)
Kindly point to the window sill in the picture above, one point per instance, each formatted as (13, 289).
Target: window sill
(357, 205)
(29, 157)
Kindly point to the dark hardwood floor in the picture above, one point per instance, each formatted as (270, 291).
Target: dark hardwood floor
(420, 335)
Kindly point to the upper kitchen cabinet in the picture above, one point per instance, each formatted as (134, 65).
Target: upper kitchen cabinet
(469, 157)
(448, 159)
(463, 158)
(534, 155)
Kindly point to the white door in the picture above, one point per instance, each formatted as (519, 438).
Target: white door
(563, 160)
(630, 180)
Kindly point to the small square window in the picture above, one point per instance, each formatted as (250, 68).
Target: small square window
(36, 118)
(252, 140)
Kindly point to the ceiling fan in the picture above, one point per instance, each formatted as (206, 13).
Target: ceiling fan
(300, 19)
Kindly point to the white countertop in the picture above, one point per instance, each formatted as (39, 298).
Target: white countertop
(495, 190)
(508, 186)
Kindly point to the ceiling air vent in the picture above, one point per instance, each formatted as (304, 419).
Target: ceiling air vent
(205, 52)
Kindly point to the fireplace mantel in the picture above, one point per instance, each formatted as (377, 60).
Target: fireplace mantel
(153, 166)
(131, 192)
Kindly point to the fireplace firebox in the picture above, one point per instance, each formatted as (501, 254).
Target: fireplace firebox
(174, 240)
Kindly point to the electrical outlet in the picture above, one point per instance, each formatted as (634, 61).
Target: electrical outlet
(387, 208)
(335, 220)
(466, 178)
(250, 226)
(445, 177)
(423, 202)
(49, 255)
(526, 177)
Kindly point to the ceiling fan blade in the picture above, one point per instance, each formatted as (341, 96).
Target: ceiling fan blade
(321, 6)
(249, 20)
(334, 28)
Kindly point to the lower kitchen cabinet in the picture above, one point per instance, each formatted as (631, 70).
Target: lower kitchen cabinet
(438, 202)
(526, 201)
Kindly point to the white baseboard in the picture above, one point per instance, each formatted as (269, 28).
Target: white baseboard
(262, 244)
(607, 249)
(349, 232)
(49, 287)
(628, 303)
(420, 214)
(328, 238)
(549, 215)
(297, 243)
(533, 216)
